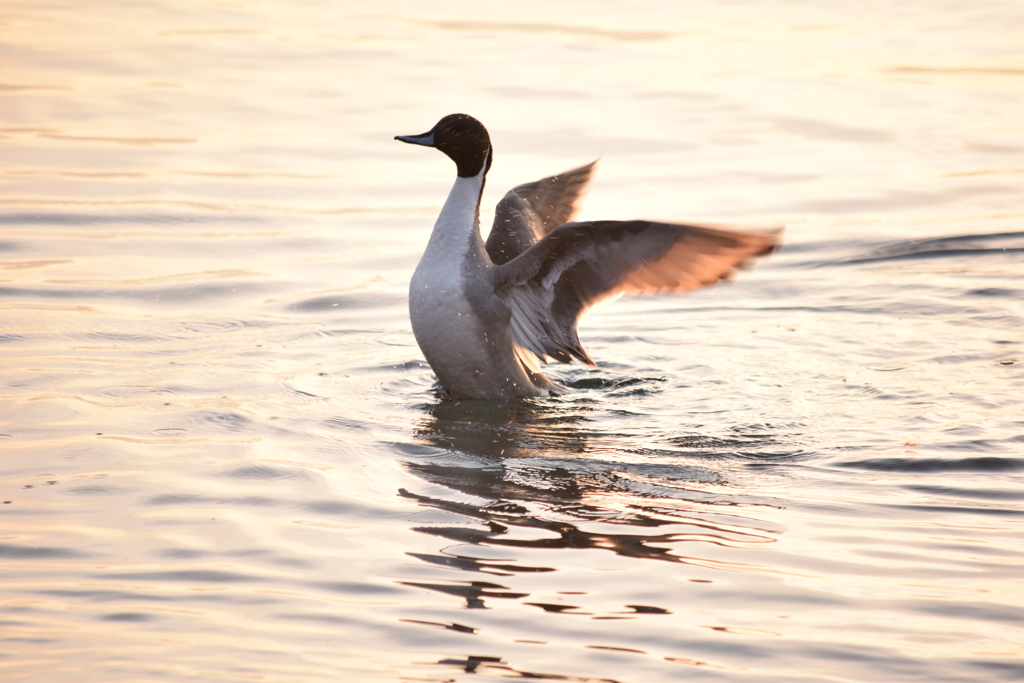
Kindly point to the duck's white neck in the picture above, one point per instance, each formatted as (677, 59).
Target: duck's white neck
(458, 226)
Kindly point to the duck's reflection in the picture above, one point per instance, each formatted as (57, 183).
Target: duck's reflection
(531, 475)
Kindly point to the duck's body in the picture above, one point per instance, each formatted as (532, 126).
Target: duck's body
(486, 315)
(459, 320)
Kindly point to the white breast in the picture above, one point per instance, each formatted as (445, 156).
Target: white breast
(451, 338)
(447, 331)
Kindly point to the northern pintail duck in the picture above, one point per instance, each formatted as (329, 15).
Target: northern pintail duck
(486, 315)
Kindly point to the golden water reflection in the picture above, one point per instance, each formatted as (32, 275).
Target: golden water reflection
(221, 456)
(529, 476)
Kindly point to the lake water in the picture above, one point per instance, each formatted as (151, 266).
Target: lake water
(222, 457)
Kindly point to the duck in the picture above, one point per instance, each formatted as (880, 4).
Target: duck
(488, 315)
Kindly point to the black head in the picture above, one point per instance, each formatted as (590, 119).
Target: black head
(462, 138)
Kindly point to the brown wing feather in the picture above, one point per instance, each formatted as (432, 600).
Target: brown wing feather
(553, 283)
(701, 256)
(531, 210)
(553, 199)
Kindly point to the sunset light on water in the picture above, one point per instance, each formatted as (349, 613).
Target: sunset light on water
(223, 456)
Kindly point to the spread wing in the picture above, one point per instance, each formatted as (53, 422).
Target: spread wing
(550, 285)
(532, 210)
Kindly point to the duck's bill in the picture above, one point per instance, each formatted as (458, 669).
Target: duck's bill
(425, 139)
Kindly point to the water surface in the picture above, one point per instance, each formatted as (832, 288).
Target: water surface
(223, 457)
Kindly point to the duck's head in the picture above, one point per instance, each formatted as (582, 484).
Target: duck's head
(462, 138)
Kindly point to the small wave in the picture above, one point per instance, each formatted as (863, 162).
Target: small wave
(137, 391)
(15, 87)
(222, 325)
(191, 277)
(191, 500)
(107, 595)
(185, 294)
(959, 509)
(996, 292)
(263, 472)
(19, 552)
(117, 337)
(349, 424)
(169, 431)
(823, 130)
(331, 302)
(959, 492)
(619, 387)
(473, 564)
(133, 617)
(911, 465)
(92, 219)
(140, 141)
(955, 70)
(92, 490)
(224, 422)
(200, 576)
(940, 247)
(538, 28)
(34, 263)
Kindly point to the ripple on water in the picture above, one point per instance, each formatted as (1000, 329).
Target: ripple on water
(187, 576)
(129, 338)
(618, 387)
(130, 617)
(996, 292)
(191, 500)
(134, 391)
(979, 464)
(953, 246)
(348, 424)
(169, 431)
(263, 472)
(334, 302)
(758, 443)
(35, 552)
(120, 595)
(184, 294)
(218, 421)
(185, 499)
(467, 563)
(391, 368)
(960, 492)
(92, 490)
